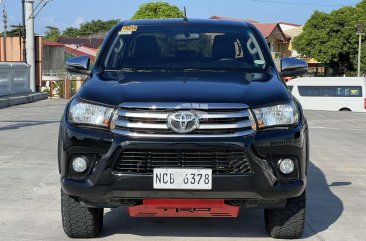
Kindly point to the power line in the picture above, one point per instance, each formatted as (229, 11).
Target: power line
(44, 5)
(35, 12)
(300, 4)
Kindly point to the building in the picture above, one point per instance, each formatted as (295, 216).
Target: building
(53, 57)
(78, 46)
(93, 42)
(14, 53)
(276, 39)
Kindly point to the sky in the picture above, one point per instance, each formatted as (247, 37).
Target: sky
(71, 13)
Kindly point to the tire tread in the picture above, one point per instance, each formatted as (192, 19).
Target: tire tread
(288, 222)
(79, 221)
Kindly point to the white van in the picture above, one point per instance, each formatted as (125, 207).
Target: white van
(330, 93)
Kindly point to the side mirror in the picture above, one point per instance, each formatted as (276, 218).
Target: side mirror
(292, 67)
(78, 65)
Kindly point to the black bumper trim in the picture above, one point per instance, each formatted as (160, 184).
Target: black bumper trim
(226, 188)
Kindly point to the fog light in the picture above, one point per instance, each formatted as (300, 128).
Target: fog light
(286, 165)
(79, 164)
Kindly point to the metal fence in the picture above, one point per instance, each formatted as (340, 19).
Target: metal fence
(14, 78)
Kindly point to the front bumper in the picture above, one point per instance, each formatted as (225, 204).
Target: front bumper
(262, 149)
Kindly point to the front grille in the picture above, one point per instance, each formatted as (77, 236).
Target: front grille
(215, 120)
(225, 161)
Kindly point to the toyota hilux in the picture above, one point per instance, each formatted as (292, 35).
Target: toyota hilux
(184, 118)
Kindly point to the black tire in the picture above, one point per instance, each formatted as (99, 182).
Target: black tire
(288, 222)
(79, 221)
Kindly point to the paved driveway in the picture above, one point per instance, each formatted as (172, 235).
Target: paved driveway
(30, 191)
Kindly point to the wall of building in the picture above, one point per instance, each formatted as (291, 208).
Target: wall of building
(14, 53)
(53, 58)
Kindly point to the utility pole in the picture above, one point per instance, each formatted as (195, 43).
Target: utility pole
(5, 20)
(360, 33)
(30, 42)
(23, 35)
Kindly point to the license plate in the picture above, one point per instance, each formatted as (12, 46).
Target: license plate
(169, 178)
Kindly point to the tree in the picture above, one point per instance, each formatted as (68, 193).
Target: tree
(71, 32)
(52, 33)
(14, 31)
(157, 10)
(97, 26)
(91, 27)
(331, 38)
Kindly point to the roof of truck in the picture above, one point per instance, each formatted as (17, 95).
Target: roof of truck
(190, 21)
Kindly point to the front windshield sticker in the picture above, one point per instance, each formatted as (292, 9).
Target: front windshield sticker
(129, 29)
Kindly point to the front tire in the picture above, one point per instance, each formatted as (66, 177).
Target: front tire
(79, 221)
(288, 222)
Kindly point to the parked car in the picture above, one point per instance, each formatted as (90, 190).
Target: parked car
(184, 118)
(330, 93)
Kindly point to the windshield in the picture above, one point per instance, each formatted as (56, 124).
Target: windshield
(188, 48)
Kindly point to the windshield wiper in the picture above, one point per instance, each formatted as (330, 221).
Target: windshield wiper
(202, 70)
(135, 70)
(131, 70)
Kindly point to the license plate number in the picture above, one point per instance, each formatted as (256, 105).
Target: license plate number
(169, 178)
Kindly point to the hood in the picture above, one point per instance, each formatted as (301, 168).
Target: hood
(113, 88)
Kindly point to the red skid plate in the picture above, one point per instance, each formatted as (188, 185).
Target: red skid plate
(183, 208)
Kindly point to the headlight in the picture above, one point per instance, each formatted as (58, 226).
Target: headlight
(89, 114)
(278, 115)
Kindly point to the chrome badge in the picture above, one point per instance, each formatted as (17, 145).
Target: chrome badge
(183, 121)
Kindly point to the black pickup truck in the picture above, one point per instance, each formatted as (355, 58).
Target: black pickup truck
(184, 118)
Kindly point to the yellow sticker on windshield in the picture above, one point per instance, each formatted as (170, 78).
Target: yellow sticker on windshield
(354, 92)
(128, 29)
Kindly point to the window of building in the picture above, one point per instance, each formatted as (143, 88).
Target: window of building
(331, 91)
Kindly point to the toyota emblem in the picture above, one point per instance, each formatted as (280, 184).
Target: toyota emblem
(183, 121)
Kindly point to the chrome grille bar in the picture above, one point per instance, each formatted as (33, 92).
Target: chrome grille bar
(162, 115)
(216, 119)
(175, 135)
(139, 125)
(181, 106)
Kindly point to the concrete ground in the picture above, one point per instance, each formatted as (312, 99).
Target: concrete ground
(30, 190)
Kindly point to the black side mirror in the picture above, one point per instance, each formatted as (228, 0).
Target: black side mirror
(78, 65)
(292, 67)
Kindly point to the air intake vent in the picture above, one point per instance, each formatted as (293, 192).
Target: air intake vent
(225, 161)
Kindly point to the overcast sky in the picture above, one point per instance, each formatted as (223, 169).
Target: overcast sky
(66, 13)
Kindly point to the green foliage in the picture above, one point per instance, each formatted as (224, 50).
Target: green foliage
(71, 32)
(157, 10)
(91, 27)
(331, 38)
(52, 33)
(14, 31)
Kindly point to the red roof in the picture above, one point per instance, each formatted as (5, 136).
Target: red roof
(81, 51)
(229, 18)
(84, 41)
(226, 18)
(265, 28)
(251, 21)
(51, 43)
